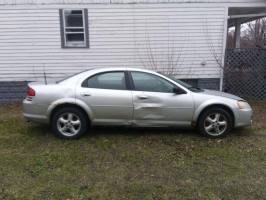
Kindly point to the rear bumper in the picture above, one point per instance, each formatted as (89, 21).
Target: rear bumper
(34, 112)
(244, 118)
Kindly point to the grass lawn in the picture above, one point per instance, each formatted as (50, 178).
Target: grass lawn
(121, 163)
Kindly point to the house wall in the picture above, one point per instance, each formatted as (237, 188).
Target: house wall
(50, 2)
(120, 34)
(12, 91)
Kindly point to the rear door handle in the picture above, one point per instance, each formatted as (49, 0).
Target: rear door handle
(142, 97)
(85, 95)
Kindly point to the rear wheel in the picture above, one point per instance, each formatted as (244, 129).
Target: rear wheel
(215, 123)
(69, 123)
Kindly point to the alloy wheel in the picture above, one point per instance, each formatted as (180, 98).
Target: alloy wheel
(215, 124)
(69, 124)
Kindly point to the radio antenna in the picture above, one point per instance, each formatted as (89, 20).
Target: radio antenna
(44, 75)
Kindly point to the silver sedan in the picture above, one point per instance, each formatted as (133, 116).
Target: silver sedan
(132, 97)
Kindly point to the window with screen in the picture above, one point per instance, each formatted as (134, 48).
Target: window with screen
(74, 28)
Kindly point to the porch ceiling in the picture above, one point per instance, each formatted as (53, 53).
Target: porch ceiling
(246, 14)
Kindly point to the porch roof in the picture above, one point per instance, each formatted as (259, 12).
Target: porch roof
(244, 15)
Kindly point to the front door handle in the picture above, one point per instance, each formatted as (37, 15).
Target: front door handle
(142, 97)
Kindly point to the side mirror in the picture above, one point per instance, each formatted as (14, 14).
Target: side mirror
(177, 90)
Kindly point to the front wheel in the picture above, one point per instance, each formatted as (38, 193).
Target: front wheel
(69, 123)
(215, 123)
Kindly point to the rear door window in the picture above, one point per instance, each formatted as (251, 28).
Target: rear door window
(108, 80)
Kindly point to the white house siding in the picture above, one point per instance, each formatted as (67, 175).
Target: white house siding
(132, 33)
(119, 35)
(51, 2)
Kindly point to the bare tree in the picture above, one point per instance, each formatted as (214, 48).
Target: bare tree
(167, 61)
(218, 55)
(255, 34)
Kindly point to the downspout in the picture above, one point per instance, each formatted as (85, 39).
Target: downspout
(224, 46)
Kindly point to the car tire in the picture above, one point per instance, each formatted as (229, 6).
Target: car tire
(215, 123)
(69, 123)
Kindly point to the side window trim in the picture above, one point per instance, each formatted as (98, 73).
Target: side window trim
(84, 84)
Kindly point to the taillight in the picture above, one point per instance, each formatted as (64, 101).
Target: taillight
(31, 92)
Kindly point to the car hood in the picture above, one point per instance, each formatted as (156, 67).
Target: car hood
(221, 94)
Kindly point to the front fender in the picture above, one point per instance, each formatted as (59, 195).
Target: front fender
(72, 101)
(213, 102)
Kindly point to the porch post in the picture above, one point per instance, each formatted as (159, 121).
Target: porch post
(237, 34)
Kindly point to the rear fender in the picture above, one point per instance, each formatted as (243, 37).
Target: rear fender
(70, 101)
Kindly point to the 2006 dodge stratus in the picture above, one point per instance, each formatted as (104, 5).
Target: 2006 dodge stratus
(132, 97)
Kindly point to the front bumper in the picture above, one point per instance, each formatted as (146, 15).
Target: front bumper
(34, 112)
(244, 118)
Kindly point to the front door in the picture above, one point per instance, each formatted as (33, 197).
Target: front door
(108, 97)
(155, 103)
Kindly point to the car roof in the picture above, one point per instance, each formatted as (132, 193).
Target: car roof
(103, 69)
(95, 70)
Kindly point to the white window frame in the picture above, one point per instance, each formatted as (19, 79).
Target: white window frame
(64, 28)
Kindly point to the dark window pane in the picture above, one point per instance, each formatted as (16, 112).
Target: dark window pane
(151, 83)
(76, 12)
(77, 37)
(71, 30)
(73, 18)
(113, 80)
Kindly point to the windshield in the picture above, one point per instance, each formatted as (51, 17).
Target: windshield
(186, 85)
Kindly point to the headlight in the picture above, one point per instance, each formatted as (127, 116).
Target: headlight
(243, 105)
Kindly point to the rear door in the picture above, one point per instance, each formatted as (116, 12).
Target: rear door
(108, 96)
(155, 103)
